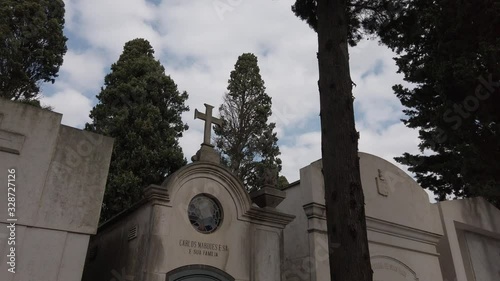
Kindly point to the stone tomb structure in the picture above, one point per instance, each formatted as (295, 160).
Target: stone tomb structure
(470, 248)
(403, 227)
(409, 238)
(58, 175)
(200, 224)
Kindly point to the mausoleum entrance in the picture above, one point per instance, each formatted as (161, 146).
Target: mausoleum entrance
(198, 273)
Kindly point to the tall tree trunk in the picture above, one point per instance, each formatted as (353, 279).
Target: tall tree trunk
(349, 255)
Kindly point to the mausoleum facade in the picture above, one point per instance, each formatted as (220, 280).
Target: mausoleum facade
(200, 224)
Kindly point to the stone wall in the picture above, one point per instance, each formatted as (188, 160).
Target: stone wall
(60, 176)
(470, 249)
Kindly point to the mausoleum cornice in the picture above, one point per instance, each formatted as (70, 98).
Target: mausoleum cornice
(402, 231)
(268, 216)
(400, 236)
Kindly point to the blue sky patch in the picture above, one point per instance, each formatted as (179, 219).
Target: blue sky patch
(376, 69)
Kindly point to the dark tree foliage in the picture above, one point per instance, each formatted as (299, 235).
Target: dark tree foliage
(141, 108)
(32, 46)
(450, 52)
(363, 17)
(246, 141)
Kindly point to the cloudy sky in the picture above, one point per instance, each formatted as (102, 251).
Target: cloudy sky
(198, 43)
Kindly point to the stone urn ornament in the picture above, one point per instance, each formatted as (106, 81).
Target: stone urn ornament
(268, 196)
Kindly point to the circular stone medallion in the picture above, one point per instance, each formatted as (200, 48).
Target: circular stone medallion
(205, 213)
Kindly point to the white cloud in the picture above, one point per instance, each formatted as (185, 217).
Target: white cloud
(85, 70)
(74, 106)
(390, 143)
(303, 150)
(192, 139)
(107, 25)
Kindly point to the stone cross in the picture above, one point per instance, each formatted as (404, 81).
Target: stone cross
(209, 119)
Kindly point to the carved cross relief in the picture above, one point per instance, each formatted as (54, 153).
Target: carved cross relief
(10, 142)
(382, 185)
